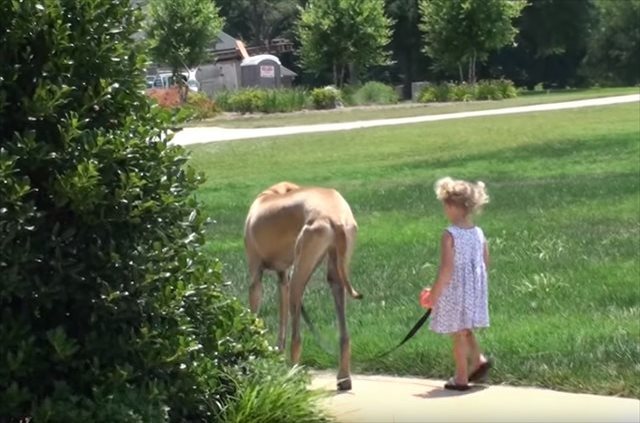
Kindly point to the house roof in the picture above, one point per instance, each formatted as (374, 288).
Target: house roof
(287, 72)
(225, 42)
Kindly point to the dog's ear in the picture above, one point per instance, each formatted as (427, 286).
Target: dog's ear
(282, 188)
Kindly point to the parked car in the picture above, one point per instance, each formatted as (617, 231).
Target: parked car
(165, 80)
(150, 79)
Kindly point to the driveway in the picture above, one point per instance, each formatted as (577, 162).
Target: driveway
(203, 135)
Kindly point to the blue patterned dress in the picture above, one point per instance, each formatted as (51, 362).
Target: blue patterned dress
(464, 302)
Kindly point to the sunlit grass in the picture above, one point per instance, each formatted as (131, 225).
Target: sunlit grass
(563, 224)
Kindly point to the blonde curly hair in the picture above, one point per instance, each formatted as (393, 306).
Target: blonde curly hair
(471, 196)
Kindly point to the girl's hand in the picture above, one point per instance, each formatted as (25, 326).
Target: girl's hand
(425, 298)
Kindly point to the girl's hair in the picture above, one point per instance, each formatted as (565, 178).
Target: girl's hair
(471, 196)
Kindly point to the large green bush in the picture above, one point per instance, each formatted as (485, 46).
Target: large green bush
(374, 93)
(326, 98)
(109, 312)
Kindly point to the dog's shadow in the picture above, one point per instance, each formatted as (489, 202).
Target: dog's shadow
(448, 393)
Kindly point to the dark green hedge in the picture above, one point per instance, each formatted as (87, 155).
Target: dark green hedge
(108, 309)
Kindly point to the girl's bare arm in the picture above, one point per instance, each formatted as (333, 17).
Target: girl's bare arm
(487, 259)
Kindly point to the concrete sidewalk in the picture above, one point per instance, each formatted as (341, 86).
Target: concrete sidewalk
(390, 399)
(203, 135)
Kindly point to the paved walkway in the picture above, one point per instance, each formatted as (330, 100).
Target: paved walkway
(390, 399)
(202, 135)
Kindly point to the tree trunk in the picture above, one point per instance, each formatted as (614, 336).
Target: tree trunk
(461, 74)
(183, 89)
(353, 74)
(408, 75)
(335, 74)
(472, 67)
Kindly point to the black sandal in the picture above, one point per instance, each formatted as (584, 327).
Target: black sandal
(481, 372)
(453, 386)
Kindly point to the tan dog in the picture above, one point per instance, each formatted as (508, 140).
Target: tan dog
(288, 225)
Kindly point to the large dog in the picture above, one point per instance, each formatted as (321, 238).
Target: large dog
(288, 225)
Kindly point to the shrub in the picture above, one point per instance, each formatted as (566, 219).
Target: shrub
(284, 100)
(201, 106)
(326, 98)
(483, 90)
(461, 92)
(436, 93)
(507, 88)
(109, 310)
(197, 106)
(223, 99)
(248, 100)
(253, 100)
(273, 394)
(375, 93)
(166, 97)
(488, 90)
(427, 95)
(348, 94)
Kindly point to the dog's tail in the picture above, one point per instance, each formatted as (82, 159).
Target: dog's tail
(342, 251)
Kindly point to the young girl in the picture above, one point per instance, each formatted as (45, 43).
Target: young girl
(459, 297)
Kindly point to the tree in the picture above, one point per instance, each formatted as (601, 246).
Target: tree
(614, 49)
(109, 309)
(259, 21)
(463, 32)
(551, 43)
(342, 35)
(181, 31)
(406, 43)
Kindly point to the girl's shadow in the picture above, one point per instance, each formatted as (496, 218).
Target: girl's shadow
(447, 393)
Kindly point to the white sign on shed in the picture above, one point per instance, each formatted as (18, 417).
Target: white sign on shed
(267, 71)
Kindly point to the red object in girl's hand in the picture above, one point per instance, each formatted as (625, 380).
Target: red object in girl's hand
(424, 298)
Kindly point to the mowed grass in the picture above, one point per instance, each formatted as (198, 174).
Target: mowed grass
(309, 117)
(563, 226)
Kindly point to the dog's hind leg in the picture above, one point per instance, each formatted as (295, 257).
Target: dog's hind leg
(255, 290)
(283, 279)
(311, 246)
(345, 238)
(339, 297)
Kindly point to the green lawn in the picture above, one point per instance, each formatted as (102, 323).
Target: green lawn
(563, 225)
(402, 110)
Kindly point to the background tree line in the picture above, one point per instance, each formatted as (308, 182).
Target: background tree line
(553, 42)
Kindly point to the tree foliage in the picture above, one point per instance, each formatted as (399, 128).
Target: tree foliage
(259, 21)
(614, 48)
(109, 311)
(463, 32)
(409, 62)
(335, 34)
(551, 43)
(181, 31)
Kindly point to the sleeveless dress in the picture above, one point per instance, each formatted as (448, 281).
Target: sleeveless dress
(464, 302)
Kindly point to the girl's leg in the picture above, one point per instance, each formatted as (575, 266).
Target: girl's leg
(460, 355)
(477, 358)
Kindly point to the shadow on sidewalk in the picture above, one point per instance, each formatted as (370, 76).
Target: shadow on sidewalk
(446, 393)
